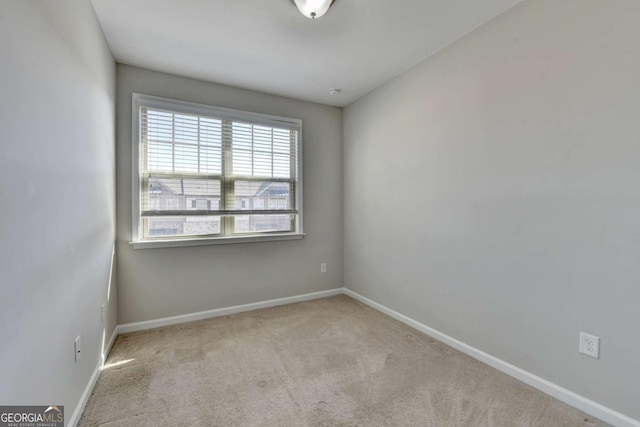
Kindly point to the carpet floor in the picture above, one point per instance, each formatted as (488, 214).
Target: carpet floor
(328, 362)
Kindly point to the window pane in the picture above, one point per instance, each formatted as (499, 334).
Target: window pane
(261, 150)
(182, 226)
(282, 141)
(186, 129)
(158, 126)
(262, 138)
(160, 157)
(262, 223)
(256, 195)
(281, 166)
(242, 163)
(186, 159)
(182, 143)
(211, 160)
(242, 136)
(177, 193)
(210, 132)
(261, 164)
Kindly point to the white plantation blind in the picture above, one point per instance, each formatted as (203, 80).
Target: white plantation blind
(204, 171)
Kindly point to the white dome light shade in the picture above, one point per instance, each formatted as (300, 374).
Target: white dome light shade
(313, 8)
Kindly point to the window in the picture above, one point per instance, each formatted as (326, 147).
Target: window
(211, 175)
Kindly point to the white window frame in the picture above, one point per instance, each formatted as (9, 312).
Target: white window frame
(141, 100)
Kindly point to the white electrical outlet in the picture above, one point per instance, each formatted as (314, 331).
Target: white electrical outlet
(589, 345)
(323, 267)
(77, 348)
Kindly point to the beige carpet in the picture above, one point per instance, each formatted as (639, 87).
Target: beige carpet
(329, 362)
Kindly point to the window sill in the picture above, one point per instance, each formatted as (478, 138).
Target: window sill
(175, 243)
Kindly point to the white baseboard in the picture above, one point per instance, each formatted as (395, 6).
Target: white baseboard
(77, 413)
(109, 346)
(75, 418)
(570, 398)
(174, 320)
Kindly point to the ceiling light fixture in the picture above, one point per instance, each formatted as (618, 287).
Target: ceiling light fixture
(313, 8)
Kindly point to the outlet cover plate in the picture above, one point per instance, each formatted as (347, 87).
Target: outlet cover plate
(589, 345)
(77, 349)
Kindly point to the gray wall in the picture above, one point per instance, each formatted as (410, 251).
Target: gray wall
(493, 192)
(155, 283)
(57, 198)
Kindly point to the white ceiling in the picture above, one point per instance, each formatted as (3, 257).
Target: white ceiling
(267, 45)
